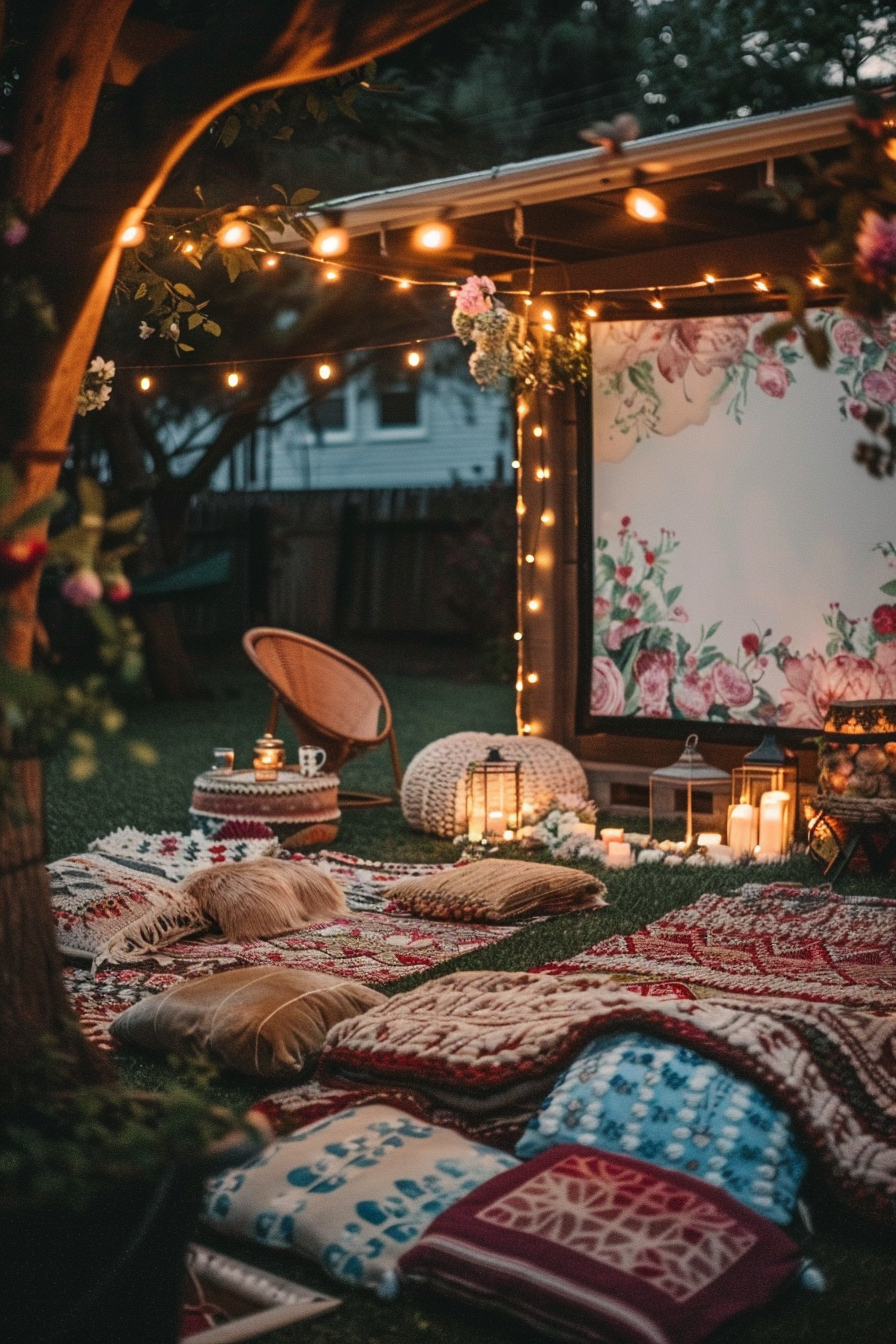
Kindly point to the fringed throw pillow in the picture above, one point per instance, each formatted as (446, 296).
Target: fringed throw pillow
(261, 898)
(261, 1020)
(496, 891)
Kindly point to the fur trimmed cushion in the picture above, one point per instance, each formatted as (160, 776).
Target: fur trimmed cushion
(261, 898)
(260, 1020)
(497, 891)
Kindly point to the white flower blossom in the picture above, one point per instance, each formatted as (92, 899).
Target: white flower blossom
(146, 331)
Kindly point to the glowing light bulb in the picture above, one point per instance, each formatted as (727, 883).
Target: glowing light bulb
(527, 302)
(132, 235)
(517, 634)
(816, 282)
(330, 242)
(890, 147)
(537, 431)
(532, 678)
(709, 279)
(590, 311)
(526, 729)
(233, 379)
(145, 383)
(235, 234)
(530, 559)
(548, 517)
(188, 248)
(644, 205)
(331, 274)
(515, 464)
(324, 372)
(414, 359)
(655, 301)
(543, 474)
(453, 293)
(433, 237)
(547, 315)
(534, 604)
(404, 284)
(270, 262)
(761, 285)
(519, 685)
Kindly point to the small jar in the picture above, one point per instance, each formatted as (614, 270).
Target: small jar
(268, 759)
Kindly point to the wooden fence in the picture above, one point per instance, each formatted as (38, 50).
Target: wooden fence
(355, 563)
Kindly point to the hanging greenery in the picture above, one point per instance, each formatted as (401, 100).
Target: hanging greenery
(506, 347)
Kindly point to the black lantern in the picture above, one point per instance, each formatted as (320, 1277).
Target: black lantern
(493, 799)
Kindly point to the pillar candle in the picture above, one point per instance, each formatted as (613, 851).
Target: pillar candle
(619, 854)
(707, 838)
(772, 811)
(741, 829)
(612, 833)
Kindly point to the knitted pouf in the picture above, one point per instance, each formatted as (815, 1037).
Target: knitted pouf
(433, 795)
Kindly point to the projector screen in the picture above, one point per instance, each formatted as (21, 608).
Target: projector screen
(742, 564)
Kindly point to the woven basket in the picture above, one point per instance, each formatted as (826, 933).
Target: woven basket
(866, 810)
(433, 795)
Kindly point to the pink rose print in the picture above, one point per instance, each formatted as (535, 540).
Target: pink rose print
(620, 630)
(771, 378)
(732, 686)
(750, 645)
(601, 608)
(693, 695)
(633, 601)
(847, 337)
(813, 682)
(653, 670)
(857, 410)
(880, 385)
(883, 619)
(623, 574)
(607, 687)
(707, 343)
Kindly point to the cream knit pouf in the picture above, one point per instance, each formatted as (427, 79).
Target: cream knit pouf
(433, 795)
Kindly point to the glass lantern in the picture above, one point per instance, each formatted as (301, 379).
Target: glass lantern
(764, 796)
(688, 773)
(493, 799)
(268, 759)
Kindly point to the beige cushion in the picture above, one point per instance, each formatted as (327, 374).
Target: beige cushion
(260, 898)
(260, 1020)
(494, 891)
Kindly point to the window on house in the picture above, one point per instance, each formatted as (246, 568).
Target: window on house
(398, 395)
(331, 416)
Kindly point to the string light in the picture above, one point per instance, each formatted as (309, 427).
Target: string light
(761, 284)
(710, 279)
(547, 315)
(413, 359)
(530, 559)
(537, 431)
(519, 685)
(542, 473)
(404, 284)
(453, 293)
(324, 372)
(534, 604)
(520, 507)
(233, 379)
(271, 262)
(816, 282)
(527, 302)
(332, 274)
(145, 383)
(655, 301)
(235, 234)
(532, 678)
(517, 634)
(548, 517)
(132, 235)
(188, 248)
(515, 464)
(591, 311)
(330, 242)
(645, 205)
(525, 729)
(434, 237)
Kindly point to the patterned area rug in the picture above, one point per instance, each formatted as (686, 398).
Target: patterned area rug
(798, 942)
(486, 1047)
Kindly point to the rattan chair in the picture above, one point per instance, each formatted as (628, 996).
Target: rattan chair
(330, 700)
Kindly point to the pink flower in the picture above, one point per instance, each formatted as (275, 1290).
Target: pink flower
(813, 682)
(626, 522)
(616, 346)
(601, 608)
(620, 630)
(857, 410)
(732, 687)
(82, 588)
(693, 695)
(607, 687)
(649, 558)
(706, 342)
(633, 601)
(848, 336)
(750, 645)
(679, 614)
(623, 574)
(119, 590)
(771, 377)
(876, 249)
(883, 619)
(880, 385)
(653, 670)
(474, 296)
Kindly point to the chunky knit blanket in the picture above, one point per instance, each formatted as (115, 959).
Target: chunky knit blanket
(799, 942)
(480, 1042)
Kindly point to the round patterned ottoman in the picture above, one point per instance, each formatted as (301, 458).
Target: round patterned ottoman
(284, 804)
(433, 795)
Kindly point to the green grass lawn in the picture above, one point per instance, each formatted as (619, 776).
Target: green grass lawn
(859, 1264)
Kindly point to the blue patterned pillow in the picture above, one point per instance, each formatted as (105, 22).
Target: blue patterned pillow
(665, 1104)
(353, 1191)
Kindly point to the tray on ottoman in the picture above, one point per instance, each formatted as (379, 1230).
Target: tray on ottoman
(285, 804)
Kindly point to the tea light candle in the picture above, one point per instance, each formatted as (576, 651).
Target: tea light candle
(709, 838)
(619, 854)
(771, 822)
(742, 829)
(611, 834)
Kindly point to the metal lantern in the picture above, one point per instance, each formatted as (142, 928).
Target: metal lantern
(268, 759)
(689, 772)
(493, 799)
(764, 796)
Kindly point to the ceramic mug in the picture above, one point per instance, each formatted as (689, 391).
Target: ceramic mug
(311, 760)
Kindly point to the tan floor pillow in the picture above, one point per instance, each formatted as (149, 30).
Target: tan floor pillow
(495, 891)
(261, 898)
(263, 1021)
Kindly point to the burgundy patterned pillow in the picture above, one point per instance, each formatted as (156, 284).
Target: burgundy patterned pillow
(589, 1246)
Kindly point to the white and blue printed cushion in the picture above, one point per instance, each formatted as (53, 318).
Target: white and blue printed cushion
(666, 1104)
(352, 1192)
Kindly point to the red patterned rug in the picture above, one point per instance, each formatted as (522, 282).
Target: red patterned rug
(373, 948)
(778, 940)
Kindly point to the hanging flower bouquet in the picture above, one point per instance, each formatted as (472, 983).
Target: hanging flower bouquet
(96, 385)
(504, 348)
